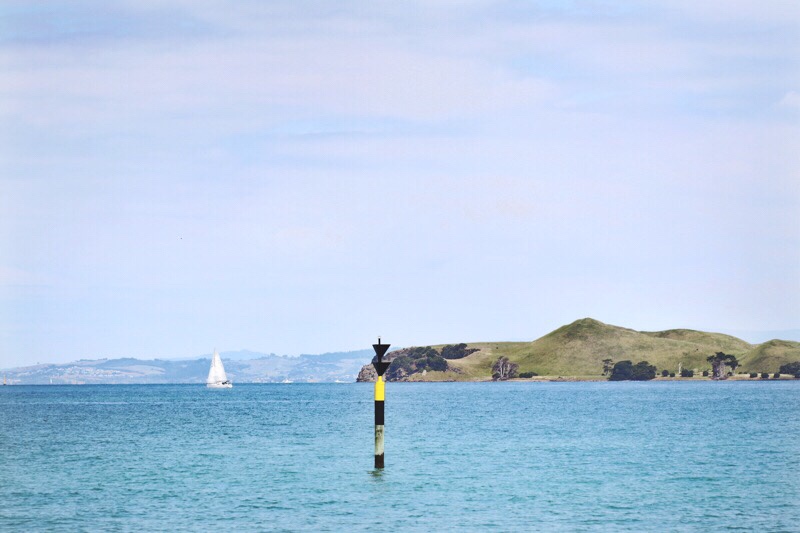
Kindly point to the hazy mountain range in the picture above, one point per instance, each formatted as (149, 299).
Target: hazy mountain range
(241, 366)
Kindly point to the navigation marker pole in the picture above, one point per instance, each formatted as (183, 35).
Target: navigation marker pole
(380, 367)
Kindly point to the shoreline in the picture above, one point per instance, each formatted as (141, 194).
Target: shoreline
(590, 379)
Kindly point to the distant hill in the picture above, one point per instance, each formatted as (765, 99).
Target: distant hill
(241, 366)
(578, 349)
(772, 354)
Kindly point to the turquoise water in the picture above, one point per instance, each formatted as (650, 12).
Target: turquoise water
(505, 456)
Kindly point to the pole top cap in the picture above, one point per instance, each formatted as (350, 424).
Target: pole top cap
(380, 349)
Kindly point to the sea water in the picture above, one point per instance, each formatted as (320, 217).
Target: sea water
(462, 456)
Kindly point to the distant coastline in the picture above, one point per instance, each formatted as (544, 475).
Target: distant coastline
(585, 350)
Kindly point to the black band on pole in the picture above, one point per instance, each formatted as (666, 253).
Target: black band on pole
(379, 413)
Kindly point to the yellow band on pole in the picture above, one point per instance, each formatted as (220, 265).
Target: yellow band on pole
(379, 389)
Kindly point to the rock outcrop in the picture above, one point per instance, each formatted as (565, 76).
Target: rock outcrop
(367, 374)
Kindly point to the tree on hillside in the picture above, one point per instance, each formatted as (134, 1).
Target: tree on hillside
(457, 351)
(643, 371)
(415, 361)
(627, 371)
(438, 363)
(400, 368)
(791, 368)
(719, 364)
(504, 369)
(622, 371)
(607, 365)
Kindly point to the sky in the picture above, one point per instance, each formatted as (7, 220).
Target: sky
(301, 177)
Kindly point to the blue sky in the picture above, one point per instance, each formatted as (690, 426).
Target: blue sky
(299, 177)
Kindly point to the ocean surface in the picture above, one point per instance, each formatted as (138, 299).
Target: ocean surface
(459, 456)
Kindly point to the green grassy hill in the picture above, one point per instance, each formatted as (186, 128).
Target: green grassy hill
(769, 356)
(579, 348)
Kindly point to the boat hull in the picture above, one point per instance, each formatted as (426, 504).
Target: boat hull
(219, 385)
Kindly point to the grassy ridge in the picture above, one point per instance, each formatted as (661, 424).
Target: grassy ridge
(578, 349)
(770, 355)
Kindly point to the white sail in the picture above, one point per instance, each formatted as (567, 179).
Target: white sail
(216, 374)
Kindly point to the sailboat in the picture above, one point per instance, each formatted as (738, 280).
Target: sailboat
(217, 379)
